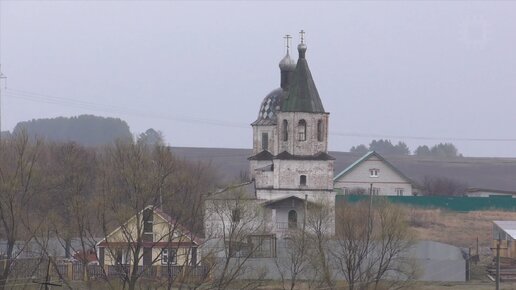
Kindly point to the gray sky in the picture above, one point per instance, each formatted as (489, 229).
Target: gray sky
(198, 71)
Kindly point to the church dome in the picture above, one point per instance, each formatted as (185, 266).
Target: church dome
(269, 108)
(287, 64)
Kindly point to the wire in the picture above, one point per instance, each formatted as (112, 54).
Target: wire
(48, 99)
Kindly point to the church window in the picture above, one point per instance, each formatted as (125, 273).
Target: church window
(265, 141)
(301, 130)
(302, 180)
(292, 219)
(285, 130)
(320, 131)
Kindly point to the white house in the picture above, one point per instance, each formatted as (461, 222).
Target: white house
(372, 173)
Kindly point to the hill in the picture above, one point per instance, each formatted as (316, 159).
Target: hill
(87, 130)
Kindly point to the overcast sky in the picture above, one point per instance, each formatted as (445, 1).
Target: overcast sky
(422, 72)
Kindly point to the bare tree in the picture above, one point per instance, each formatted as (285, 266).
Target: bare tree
(320, 222)
(238, 231)
(372, 244)
(19, 173)
(132, 177)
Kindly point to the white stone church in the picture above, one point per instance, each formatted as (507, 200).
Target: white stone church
(290, 166)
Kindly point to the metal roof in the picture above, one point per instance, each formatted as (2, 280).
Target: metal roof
(366, 157)
(302, 94)
(508, 227)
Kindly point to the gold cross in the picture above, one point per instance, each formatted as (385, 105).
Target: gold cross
(302, 33)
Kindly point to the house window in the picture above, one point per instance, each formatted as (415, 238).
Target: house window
(374, 172)
(169, 256)
(346, 190)
(302, 180)
(301, 130)
(376, 191)
(292, 219)
(121, 257)
(399, 191)
(193, 261)
(285, 130)
(320, 137)
(265, 141)
(235, 215)
(147, 220)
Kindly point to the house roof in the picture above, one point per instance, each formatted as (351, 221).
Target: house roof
(366, 157)
(176, 225)
(507, 226)
(319, 156)
(241, 191)
(302, 93)
(474, 189)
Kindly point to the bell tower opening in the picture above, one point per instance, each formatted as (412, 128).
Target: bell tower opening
(301, 130)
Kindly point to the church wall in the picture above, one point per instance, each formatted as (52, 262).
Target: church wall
(257, 138)
(218, 216)
(319, 174)
(255, 164)
(264, 179)
(309, 147)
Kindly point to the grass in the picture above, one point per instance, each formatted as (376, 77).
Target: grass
(456, 228)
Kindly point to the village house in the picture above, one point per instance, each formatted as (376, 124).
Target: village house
(372, 174)
(156, 238)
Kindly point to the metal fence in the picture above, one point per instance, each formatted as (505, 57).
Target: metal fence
(452, 203)
(38, 269)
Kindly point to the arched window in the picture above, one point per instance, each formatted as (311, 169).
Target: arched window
(320, 131)
(285, 130)
(292, 219)
(302, 180)
(301, 130)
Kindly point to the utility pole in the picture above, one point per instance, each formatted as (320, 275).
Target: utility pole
(498, 264)
(498, 248)
(2, 77)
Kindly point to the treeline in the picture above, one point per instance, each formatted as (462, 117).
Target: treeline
(87, 130)
(386, 147)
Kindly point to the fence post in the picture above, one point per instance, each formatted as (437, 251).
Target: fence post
(69, 270)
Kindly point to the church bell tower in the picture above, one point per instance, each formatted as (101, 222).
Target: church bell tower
(290, 136)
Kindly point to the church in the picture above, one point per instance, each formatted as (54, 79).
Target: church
(290, 168)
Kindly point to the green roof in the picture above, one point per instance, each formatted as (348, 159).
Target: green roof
(302, 94)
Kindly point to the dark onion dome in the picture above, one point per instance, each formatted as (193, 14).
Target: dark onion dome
(269, 108)
(287, 64)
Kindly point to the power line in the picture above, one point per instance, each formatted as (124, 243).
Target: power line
(48, 99)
